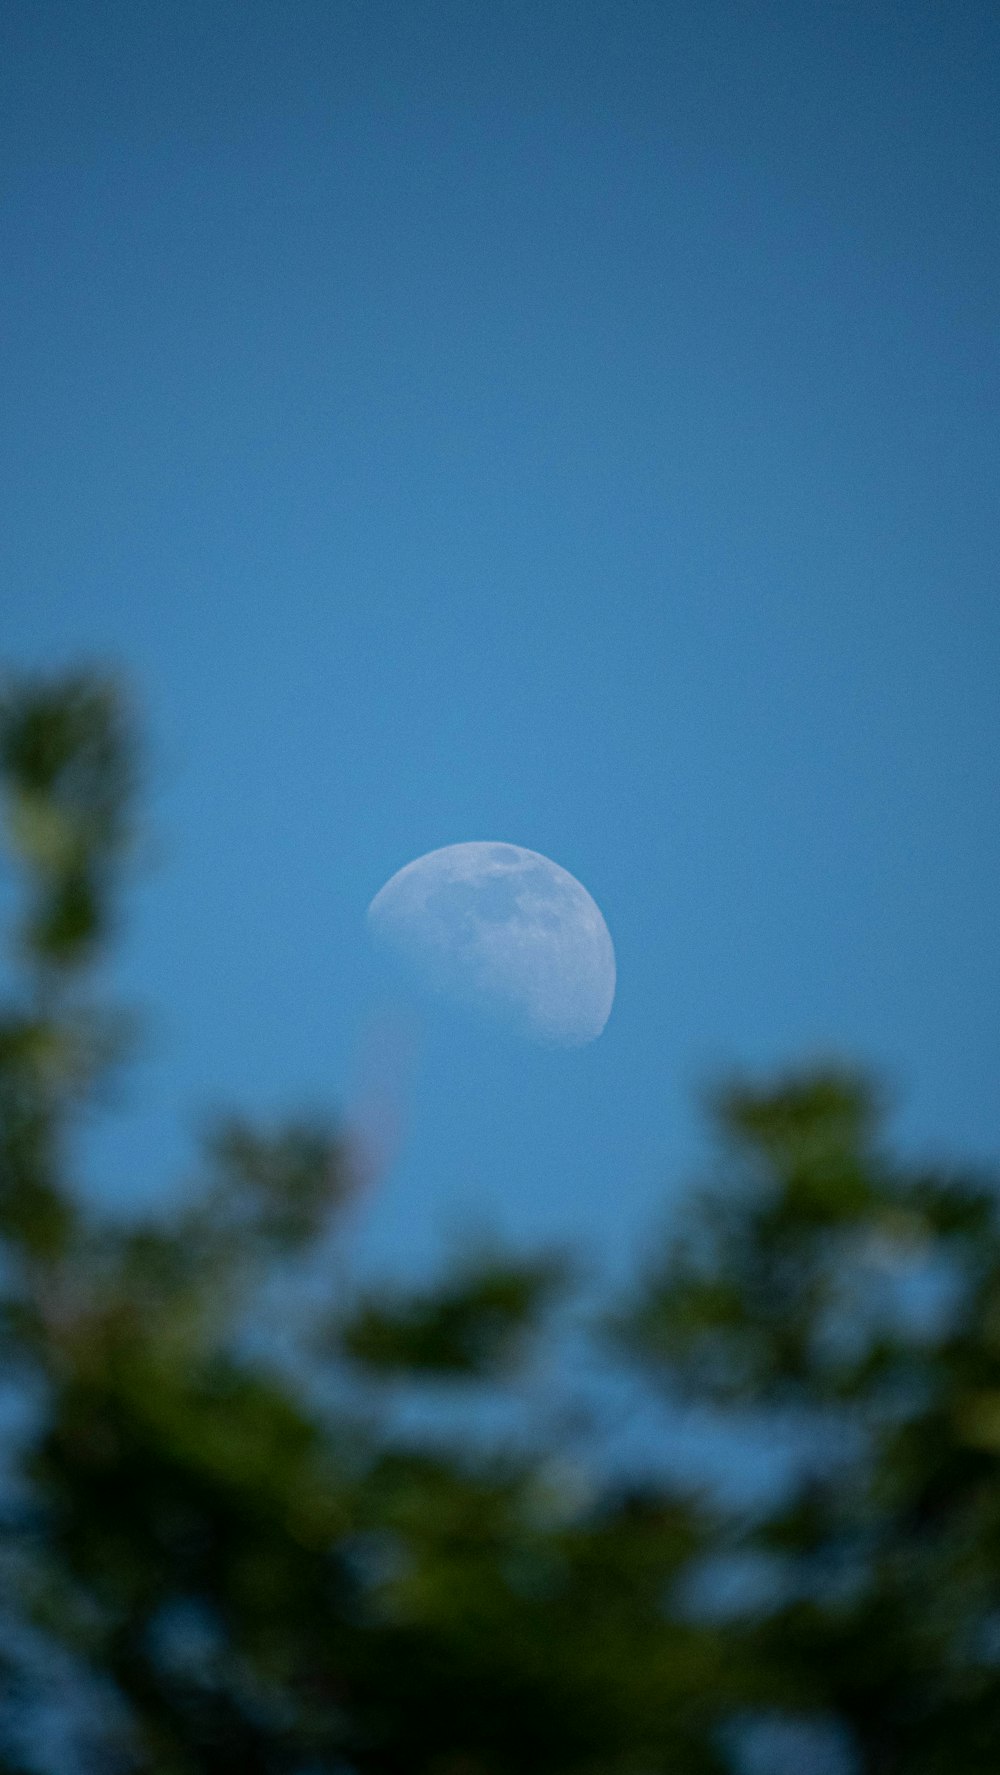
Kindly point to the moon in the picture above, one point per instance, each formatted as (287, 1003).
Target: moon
(505, 931)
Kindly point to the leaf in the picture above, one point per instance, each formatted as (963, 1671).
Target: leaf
(477, 1324)
(280, 1186)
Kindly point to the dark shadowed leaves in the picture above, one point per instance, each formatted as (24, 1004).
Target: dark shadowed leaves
(279, 1186)
(67, 755)
(478, 1323)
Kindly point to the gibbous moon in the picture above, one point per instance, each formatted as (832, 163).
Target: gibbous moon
(504, 930)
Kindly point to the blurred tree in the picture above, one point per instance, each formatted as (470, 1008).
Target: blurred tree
(831, 1291)
(216, 1559)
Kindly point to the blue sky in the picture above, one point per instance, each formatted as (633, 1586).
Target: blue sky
(570, 424)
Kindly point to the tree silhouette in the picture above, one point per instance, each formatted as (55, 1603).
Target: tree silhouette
(218, 1559)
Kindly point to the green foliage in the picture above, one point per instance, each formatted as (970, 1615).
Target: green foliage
(255, 1567)
(477, 1323)
(281, 1187)
(67, 757)
(866, 1300)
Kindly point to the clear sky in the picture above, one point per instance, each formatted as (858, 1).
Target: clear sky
(569, 422)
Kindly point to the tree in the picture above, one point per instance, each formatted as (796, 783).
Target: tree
(862, 1297)
(234, 1562)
